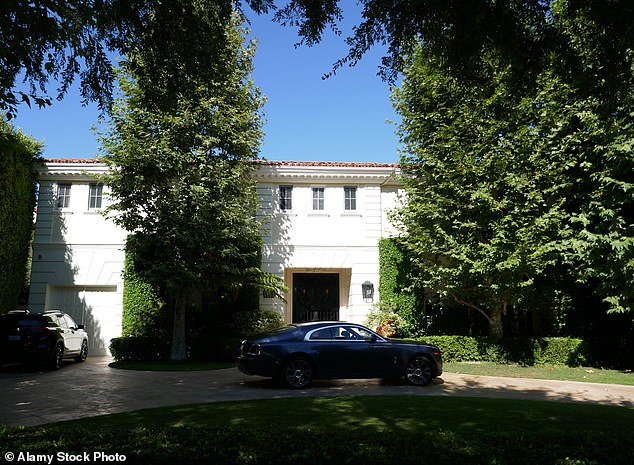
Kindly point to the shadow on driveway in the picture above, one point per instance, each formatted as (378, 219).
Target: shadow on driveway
(31, 396)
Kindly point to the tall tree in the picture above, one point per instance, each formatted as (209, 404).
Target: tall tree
(180, 179)
(508, 178)
(480, 213)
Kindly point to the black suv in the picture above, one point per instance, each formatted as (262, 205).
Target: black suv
(47, 338)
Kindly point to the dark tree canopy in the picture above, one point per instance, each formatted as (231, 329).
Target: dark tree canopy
(524, 33)
(61, 40)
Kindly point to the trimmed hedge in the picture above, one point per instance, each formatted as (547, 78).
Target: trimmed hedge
(138, 349)
(526, 351)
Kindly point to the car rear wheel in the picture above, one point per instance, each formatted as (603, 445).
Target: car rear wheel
(419, 371)
(57, 359)
(83, 353)
(297, 373)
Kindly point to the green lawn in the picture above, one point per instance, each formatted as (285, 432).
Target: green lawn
(564, 373)
(364, 430)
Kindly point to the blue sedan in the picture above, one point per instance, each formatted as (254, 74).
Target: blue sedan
(299, 353)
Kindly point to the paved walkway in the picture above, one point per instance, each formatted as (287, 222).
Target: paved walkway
(30, 397)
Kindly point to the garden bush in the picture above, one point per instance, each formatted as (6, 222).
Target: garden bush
(525, 351)
(138, 349)
(247, 323)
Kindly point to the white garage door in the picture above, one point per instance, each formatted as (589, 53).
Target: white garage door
(98, 308)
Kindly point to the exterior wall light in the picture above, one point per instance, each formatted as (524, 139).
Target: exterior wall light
(367, 290)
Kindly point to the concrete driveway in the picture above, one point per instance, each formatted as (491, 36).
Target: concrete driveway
(30, 397)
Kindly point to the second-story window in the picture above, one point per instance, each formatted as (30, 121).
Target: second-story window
(95, 196)
(63, 195)
(286, 198)
(350, 198)
(318, 198)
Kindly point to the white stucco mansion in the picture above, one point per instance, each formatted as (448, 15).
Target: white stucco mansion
(322, 222)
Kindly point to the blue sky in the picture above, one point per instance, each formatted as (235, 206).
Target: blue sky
(342, 118)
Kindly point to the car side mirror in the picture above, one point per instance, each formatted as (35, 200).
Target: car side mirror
(80, 326)
(371, 338)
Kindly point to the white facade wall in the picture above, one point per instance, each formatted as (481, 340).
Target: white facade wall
(329, 241)
(78, 253)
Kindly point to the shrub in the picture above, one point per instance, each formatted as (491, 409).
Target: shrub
(384, 320)
(138, 349)
(526, 351)
(247, 323)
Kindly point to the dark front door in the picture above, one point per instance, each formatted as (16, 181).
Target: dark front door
(315, 297)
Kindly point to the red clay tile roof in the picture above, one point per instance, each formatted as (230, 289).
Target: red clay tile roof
(350, 164)
(72, 160)
(342, 164)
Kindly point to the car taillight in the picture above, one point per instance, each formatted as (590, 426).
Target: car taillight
(254, 349)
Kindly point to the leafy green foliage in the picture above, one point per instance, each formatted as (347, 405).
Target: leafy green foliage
(526, 35)
(144, 314)
(519, 187)
(250, 323)
(526, 351)
(18, 155)
(397, 290)
(62, 40)
(480, 211)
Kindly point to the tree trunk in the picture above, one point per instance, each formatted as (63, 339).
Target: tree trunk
(496, 328)
(179, 347)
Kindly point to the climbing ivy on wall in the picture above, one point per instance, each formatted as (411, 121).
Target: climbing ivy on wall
(143, 312)
(398, 292)
(18, 155)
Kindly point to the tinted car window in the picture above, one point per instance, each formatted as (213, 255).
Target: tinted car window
(327, 333)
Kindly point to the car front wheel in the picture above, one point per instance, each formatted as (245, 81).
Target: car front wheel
(83, 353)
(297, 373)
(419, 371)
